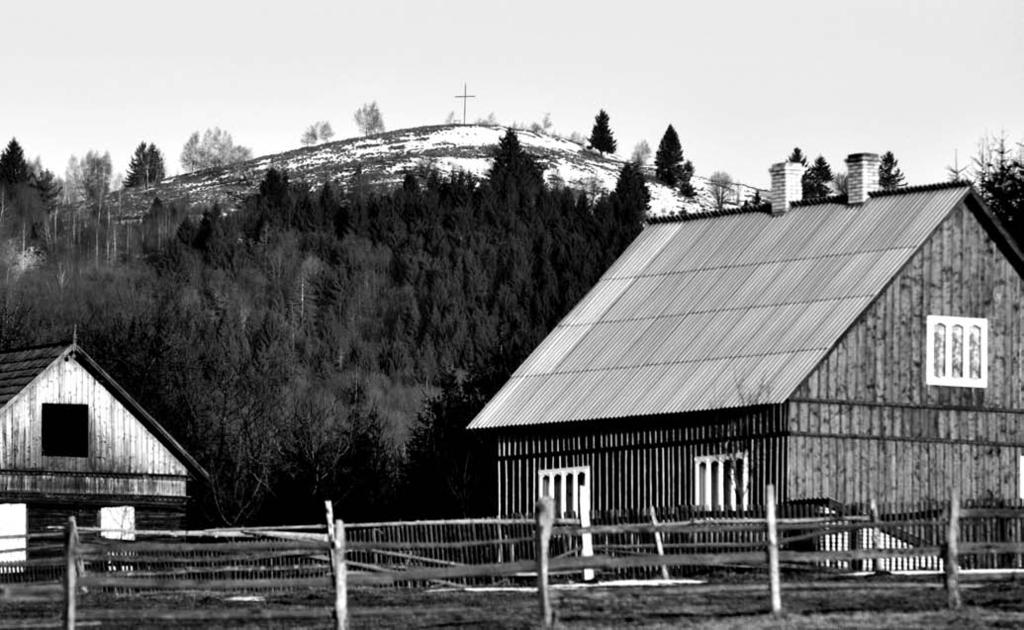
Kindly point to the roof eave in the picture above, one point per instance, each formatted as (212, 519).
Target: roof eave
(149, 421)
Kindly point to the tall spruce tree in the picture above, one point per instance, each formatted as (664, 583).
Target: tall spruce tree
(601, 137)
(797, 157)
(889, 174)
(514, 169)
(817, 179)
(13, 167)
(669, 166)
(146, 166)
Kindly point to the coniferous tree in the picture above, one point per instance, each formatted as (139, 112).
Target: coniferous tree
(146, 167)
(631, 200)
(817, 179)
(669, 166)
(514, 168)
(601, 137)
(797, 157)
(13, 167)
(999, 178)
(889, 174)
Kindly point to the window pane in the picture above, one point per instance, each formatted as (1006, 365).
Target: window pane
(545, 486)
(702, 476)
(570, 496)
(939, 352)
(65, 430)
(957, 370)
(558, 495)
(975, 350)
(741, 483)
(727, 483)
(716, 478)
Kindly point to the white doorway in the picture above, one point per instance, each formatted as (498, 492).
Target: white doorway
(569, 489)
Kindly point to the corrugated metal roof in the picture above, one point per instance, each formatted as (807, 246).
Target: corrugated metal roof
(728, 311)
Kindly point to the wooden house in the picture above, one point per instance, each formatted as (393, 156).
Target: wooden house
(73, 442)
(868, 346)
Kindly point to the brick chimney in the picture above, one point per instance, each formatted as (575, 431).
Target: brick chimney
(786, 185)
(862, 176)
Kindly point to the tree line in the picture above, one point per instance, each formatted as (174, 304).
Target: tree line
(332, 344)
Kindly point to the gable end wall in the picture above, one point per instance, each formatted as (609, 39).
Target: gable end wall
(118, 442)
(865, 425)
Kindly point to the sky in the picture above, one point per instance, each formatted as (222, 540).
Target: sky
(743, 82)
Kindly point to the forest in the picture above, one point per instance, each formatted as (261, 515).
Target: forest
(319, 343)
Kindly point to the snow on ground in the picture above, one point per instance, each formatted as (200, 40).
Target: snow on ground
(386, 157)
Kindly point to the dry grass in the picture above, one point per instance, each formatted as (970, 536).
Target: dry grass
(837, 605)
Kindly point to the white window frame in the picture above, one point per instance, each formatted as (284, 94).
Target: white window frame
(580, 502)
(117, 522)
(14, 532)
(726, 493)
(579, 490)
(1020, 477)
(948, 380)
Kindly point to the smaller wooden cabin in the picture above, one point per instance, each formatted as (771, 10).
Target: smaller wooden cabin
(73, 442)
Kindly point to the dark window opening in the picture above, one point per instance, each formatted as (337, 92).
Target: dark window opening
(65, 430)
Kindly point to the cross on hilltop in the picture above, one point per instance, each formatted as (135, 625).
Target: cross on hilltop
(464, 96)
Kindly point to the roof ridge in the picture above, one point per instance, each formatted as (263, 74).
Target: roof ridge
(764, 208)
(42, 346)
(813, 201)
(840, 198)
(906, 190)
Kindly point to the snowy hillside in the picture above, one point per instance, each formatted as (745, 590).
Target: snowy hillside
(385, 158)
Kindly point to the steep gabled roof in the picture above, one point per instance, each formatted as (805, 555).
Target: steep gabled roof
(19, 367)
(728, 311)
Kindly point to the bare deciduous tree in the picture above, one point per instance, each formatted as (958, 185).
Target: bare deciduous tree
(840, 183)
(641, 152)
(309, 136)
(324, 131)
(215, 148)
(720, 186)
(316, 133)
(369, 119)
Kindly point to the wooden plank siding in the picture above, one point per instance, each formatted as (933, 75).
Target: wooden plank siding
(865, 425)
(642, 462)
(124, 456)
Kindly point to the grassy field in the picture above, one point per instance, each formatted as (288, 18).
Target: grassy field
(837, 605)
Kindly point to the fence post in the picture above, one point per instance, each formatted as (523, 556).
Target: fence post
(876, 535)
(340, 576)
(952, 553)
(658, 543)
(586, 540)
(70, 573)
(329, 511)
(773, 550)
(545, 518)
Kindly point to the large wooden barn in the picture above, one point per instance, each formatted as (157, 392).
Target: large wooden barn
(848, 348)
(73, 442)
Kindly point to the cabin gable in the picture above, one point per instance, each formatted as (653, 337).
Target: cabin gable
(866, 423)
(117, 441)
(959, 271)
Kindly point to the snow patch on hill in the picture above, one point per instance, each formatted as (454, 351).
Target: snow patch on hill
(384, 159)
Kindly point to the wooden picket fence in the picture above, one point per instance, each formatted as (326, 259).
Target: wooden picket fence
(332, 558)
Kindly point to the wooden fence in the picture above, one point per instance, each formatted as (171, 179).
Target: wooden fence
(332, 558)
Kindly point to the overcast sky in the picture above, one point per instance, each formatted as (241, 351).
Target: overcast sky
(742, 81)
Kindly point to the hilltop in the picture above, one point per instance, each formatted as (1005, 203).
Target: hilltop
(383, 159)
